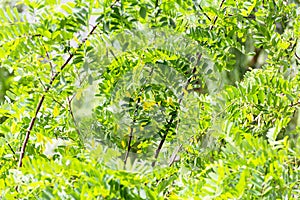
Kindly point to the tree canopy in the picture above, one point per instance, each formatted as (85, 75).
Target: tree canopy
(149, 99)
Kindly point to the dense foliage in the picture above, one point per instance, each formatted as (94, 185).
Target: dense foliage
(150, 99)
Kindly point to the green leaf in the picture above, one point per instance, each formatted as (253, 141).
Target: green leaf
(66, 8)
(143, 12)
(241, 185)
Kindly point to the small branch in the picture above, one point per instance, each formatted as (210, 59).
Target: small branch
(22, 152)
(294, 45)
(174, 155)
(246, 17)
(161, 143)
(58, 102)
(296, 55)
(134, 120)
(40, 103)
(156, 3)
(169, 125)
(221, 3)
(204, 13)
(72, 115)
(11, 148)
(128, 145)
(172, 119)
(113, 54)
(131, 130)
(216, 18)
(294, 104)
(50, 63)
(70, 107)
(116, 1)
(157, 8)
(42, 84)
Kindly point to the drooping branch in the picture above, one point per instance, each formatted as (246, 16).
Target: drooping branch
(40, 103)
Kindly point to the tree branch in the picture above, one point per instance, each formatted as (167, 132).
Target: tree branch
(134, 120)
(40, 103)
(204, 13)
(174, 155)
(188, 82)
(128, 145)
(72, 115)
(296, 55)
(172, 119)
(11, 148)
(160, 146)
(216, 18)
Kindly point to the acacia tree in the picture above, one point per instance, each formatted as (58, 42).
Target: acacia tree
(193, 99)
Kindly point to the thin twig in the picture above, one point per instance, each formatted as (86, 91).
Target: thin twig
(296, 55)
(50, 63)
(72, 115)
(216, 18)
(295, 44)
(156, 3)
(188, 82)
(204, 13)
(134, 120)
(294, 104)
(22, 152)
(174, 155)
(40, 103)
(157, 8)
(58, 102)
(11, 148)
(129, 144)
(172, 119)
(42, 84)
(161, 142)
(116, 1)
